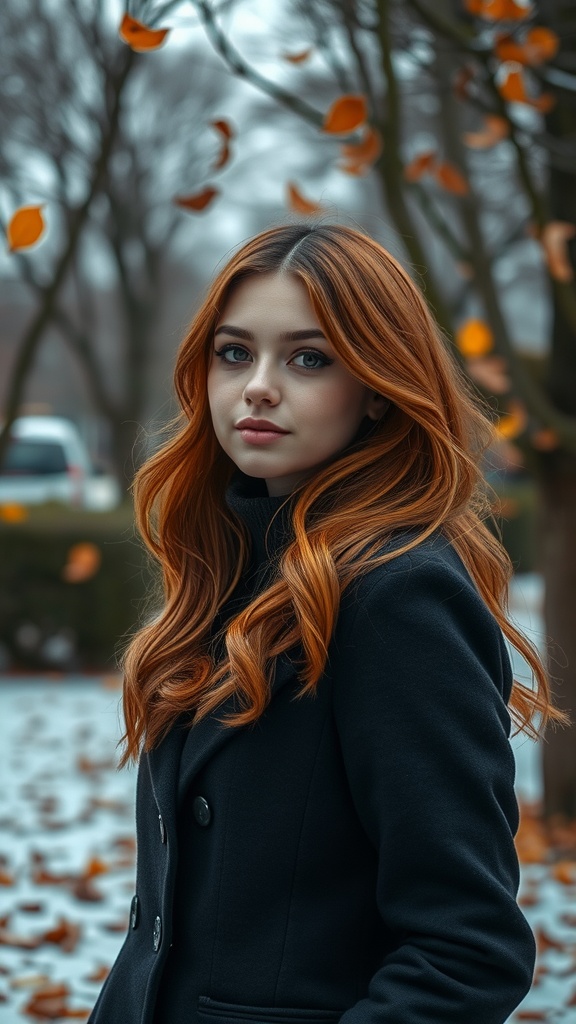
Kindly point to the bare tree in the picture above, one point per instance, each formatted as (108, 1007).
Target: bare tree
(107, 139)
(500, 83)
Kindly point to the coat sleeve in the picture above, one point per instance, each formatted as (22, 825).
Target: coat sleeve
(421, 680)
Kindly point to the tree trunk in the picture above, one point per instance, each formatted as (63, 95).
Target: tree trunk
(558, 561)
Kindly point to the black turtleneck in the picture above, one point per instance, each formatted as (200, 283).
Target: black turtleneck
(268, 518)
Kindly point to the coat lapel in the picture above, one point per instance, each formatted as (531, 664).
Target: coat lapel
(174, 762)
(208, 735)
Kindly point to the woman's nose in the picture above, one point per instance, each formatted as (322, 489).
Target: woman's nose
(261, 386)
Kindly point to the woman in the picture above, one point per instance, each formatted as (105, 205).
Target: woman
(325, 808)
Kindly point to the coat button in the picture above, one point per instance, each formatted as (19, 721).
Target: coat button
(162, 829)
(134, 912)
(157, 934)
(201, 811)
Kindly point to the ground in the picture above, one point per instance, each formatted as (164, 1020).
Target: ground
(67, 851)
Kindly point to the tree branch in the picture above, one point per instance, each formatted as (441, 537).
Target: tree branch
(29, 345)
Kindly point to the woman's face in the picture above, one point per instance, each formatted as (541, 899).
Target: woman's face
(272, 362)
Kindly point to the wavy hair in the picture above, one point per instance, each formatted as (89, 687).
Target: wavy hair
(418, 469)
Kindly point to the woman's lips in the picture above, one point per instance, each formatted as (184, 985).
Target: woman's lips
(260, 436)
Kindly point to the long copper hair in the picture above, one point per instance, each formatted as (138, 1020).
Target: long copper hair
(417, 470)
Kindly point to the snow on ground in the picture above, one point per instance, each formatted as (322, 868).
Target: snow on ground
(67, 857)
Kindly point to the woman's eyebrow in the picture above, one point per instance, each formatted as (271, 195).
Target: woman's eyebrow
(240, 332)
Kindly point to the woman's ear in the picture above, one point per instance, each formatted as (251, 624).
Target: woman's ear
(377, 406)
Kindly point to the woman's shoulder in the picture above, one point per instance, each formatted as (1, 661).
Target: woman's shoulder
(434, 557)
(428, 580)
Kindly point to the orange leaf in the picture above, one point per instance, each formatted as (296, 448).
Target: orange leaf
(539, 45)
(512, 423)
(495, 129)
(139, 37)
(84, 560)
(564, 871)
(513, 86)
(420, 165)
(26, 227)
(533, 1015)
(224, 127)
(98, 974)
(474, 339)
(451, 179)
(223, 157)
(346, 114)
(94, 867)
(13, 513)
(298, 58)
(66, 935)
(498, 10)
(545, 941)
(491, 373)
(545, 440)
(299, 204)
(198, 201)
(359, 158)
(554, 238)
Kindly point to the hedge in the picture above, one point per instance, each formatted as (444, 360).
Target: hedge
(50, 621)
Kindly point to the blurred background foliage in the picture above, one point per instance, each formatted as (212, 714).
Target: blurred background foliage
(141, 142)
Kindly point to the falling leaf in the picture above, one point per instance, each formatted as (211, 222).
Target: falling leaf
(199, 201)
(139, 37)
(225, 130)
(420, 165)
(498, 10)
(345, 115)
(545, 440)
(554, 238)
(360, 157)
(299, 204)
(224, 127)
(26, 227)
(539, 45)
(494, 130)
(451, 179)
(474, 338)
(298, 58)
(83, 563)
(512, 88)
(491, 373)
(512, 423)
(223, 157)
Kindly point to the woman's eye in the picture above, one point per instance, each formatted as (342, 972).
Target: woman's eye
(311, 360)
(223, 352)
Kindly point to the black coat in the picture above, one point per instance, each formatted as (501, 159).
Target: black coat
(350, 856)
